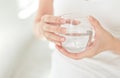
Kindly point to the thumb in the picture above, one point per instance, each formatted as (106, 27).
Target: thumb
(95, 23)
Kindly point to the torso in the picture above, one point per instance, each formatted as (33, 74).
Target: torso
(104, 65)
(107, 11)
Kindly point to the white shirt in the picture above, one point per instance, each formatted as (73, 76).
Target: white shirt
(104, 65)
(107, 11)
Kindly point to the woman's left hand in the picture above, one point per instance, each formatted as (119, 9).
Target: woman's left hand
(103, 41)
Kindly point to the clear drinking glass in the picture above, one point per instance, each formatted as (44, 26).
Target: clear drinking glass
(79, 32)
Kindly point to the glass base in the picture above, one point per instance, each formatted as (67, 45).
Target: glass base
(75, 43)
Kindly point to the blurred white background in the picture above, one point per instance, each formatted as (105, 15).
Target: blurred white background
(21, 54)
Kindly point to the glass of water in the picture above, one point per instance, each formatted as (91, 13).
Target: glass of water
(79, 33)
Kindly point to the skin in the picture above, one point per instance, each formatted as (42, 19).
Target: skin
(47, 25)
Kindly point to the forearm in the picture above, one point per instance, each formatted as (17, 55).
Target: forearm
(45, 8)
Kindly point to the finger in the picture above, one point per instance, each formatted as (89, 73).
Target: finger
(56, 42)
(63, 51)
(53, 19)
(89, 52)
(73, 22)
(54, 37)
(94, 22)
(66, 53)
(54, 28)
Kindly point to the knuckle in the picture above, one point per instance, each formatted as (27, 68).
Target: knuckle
(50, 39)
(49, 28)
(45, 17)
(58, 29)
(49, 18)
(61, 30)
(51, 35)
(56, 37)
(56, 19)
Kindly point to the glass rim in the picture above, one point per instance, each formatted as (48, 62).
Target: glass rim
(76, 15)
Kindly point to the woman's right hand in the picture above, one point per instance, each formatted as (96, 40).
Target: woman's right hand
(49, 27)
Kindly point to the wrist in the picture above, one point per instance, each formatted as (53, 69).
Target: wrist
(116, 46)
(38, 32)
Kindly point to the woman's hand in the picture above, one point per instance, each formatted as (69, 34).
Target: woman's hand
(49, 27)
(103, 41)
